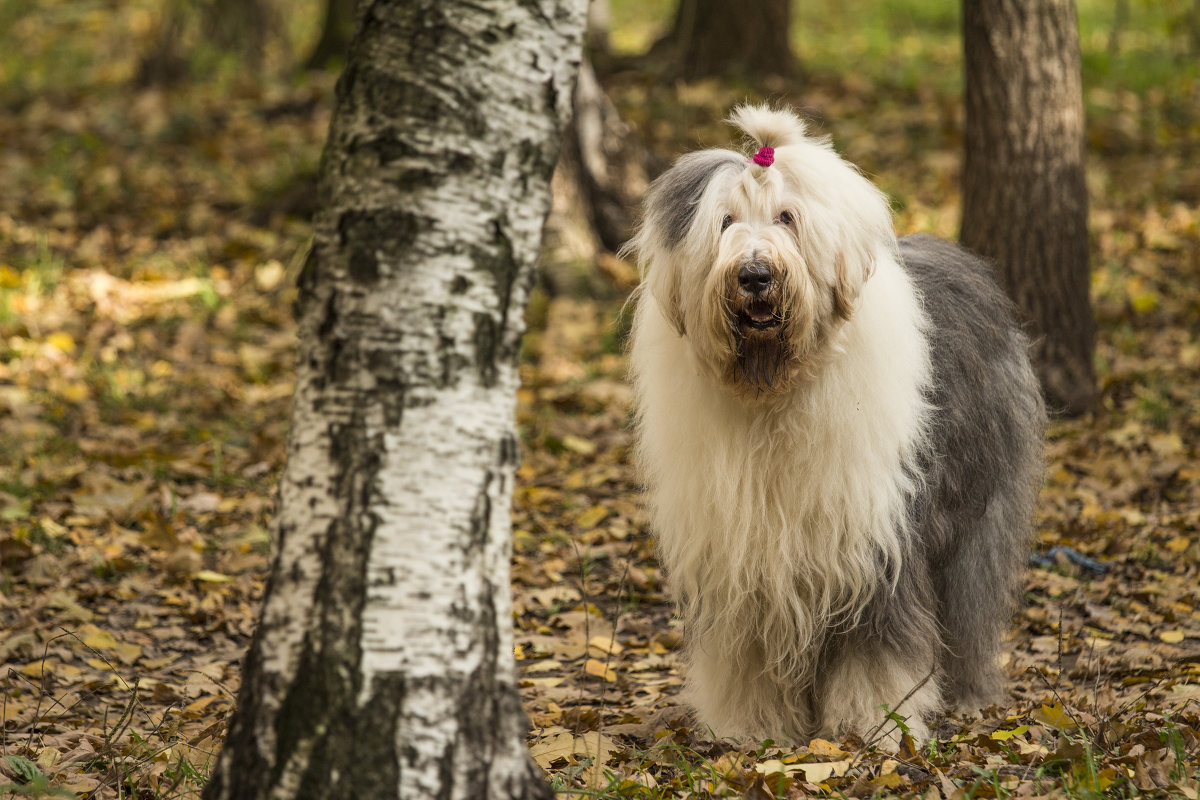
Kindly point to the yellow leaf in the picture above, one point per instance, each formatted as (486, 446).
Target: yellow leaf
(1004, 736)
(75, 392)
(35, 669)
(823, 770)
(729, 765)
(598, 669)
(579, 445)
(202, 703)
(62, 341)
(1178, 544)
(592, 517)
(97, 639)
(568, 747)
(826, 749)
(211, 577)
(1055, 716)
(547, 683)
(1143, 301)
(892, 780)
(67, 672)
(9, 277)
(48, 757)
(605, 644)
(1171, 637)
(127, 652)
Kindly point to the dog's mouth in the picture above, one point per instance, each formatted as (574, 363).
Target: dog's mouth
(759, 315)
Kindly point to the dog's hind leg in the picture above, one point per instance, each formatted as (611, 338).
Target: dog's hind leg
(976, 585)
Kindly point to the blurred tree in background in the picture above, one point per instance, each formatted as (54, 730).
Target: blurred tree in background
(712, 38)
(1024, 192)
(337, 28)
(240, 28)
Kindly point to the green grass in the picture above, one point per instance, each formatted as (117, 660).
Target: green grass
(911, 44)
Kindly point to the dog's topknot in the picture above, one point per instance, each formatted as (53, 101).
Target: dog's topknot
(768, 127)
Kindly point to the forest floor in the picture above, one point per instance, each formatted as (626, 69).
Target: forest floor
(148, 243)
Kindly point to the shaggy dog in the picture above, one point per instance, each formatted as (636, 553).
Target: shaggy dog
(840, 436)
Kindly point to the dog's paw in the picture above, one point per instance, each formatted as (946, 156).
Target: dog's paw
(889, 737)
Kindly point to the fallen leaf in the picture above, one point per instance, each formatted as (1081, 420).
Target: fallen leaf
(210, 576)
(598, 669)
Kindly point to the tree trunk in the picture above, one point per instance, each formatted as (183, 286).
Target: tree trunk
(1024, 193)
(337, 28)
(382, 666)
(711, 38)
(603, 168)
(241, 27)
(164, 64)
(599, 20)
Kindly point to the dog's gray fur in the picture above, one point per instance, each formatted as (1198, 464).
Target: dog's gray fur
(955, 594)
(673, 197)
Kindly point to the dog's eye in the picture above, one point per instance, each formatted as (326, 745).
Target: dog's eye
(725, 223)
(785, 218)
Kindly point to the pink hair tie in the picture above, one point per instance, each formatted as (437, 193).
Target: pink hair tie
(765, 156)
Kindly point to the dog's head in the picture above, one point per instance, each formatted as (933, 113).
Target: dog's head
(757, 260)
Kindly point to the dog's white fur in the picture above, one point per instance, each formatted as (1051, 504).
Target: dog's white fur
(775, 502)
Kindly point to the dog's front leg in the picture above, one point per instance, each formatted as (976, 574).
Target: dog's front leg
(876, 695)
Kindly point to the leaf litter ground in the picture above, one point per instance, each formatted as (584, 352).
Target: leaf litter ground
(146, 257)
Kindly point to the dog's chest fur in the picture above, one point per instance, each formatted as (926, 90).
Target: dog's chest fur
(803, 495)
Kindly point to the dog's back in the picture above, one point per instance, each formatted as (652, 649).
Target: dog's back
(986, 464)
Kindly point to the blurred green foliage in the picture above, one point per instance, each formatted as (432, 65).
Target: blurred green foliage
(1138, 45)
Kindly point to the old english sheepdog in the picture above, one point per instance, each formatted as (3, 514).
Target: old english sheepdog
(840, 436)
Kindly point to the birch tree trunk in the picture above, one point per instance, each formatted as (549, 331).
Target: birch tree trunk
(1024, 192)
(382, 666)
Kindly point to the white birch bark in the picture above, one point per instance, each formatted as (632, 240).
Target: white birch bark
(382, 666)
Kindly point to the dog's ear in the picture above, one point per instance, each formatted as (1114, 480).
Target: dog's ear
(851, 271)
(663, 283)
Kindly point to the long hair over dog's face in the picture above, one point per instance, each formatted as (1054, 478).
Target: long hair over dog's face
(757, 262)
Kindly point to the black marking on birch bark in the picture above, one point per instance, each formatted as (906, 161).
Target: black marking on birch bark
(510, 451)
(390, 383)
(481, 516)
(338, 369)
(487, 703)
(346, 82)
(447, 360)
(477, 707)
(364, 234)
(329, 318)
(486, 344)
(387, 147)
(246, 759)
(492, 340)
(366, 735)
(402, 97)
(306, 284)
(445, 762)
(319, 708)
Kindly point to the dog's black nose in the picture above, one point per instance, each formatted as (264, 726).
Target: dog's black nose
(754, 278)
